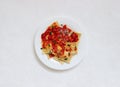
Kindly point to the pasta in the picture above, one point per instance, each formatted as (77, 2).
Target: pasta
(60, 42)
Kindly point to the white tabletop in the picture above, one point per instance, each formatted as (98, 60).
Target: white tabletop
(19, 21)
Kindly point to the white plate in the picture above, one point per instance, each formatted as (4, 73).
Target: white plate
(51, 63)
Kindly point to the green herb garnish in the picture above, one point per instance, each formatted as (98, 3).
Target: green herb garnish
(68, 45)
(50, 33)
(65, 58)
(68, 54)
(49, 45)
(53, 26)
(75, 48)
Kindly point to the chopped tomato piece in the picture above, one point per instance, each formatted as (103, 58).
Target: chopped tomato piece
(51, 55)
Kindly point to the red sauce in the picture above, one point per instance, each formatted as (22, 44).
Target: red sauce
(58, 35)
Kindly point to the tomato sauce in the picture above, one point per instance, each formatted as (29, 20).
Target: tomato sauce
(58, 36)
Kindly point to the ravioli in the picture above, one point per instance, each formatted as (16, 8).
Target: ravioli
(60, 42)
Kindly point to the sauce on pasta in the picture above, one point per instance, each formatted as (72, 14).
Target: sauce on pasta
(60, 42)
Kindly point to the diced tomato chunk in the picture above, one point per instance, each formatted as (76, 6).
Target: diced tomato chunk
(51, 55)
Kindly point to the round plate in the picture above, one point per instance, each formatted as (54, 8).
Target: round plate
(51, 63)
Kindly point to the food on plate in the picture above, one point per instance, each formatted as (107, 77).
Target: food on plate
(60, 42)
